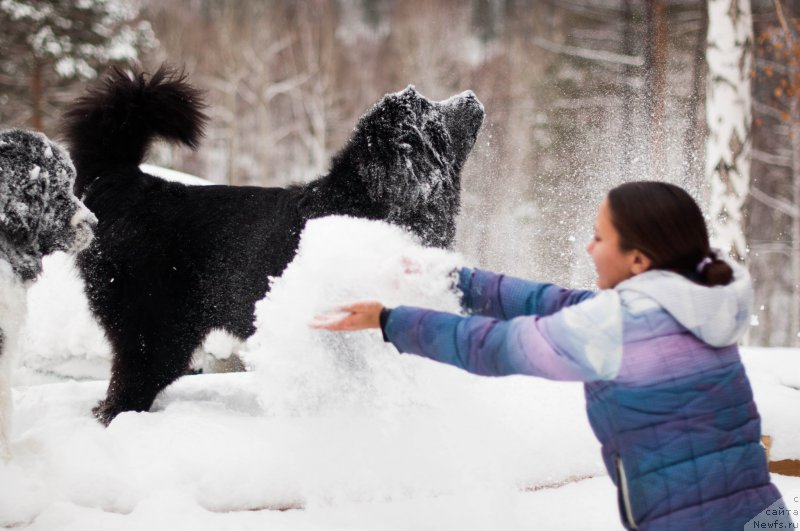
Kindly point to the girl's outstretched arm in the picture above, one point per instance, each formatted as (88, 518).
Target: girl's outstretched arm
(580, 343)
(504, 297)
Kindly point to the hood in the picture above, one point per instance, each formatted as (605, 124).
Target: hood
(717, 315)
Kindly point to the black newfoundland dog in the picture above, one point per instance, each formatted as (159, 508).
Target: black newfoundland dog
(170, 262)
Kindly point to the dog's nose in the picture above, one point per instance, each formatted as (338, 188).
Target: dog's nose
(465, 105)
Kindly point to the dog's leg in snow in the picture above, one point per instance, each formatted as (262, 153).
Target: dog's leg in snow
(142, 369)
(5, 401)
(13, 304)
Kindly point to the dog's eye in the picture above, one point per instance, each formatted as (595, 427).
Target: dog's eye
(34, 188)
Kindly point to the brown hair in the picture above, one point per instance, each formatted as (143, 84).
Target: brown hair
(663, 221)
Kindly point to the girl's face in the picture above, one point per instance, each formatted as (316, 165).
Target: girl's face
(612, 264)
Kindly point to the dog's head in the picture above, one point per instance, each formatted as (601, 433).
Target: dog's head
(407, 146)
(39, 213)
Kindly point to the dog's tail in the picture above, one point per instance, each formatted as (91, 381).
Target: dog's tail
(113, 125)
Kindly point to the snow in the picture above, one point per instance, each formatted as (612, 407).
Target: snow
(174, 175)
(339, 429)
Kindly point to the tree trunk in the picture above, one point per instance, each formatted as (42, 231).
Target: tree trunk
(794, 139)
(729, 115)
(233, 132)
(695, 130)
(629, 72)
(655, 79)
(37, 121)
(794, 315)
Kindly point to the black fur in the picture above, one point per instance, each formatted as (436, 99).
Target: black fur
(170, 262)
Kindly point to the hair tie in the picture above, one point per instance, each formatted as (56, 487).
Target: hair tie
(703, 263)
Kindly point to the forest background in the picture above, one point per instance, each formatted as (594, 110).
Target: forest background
(580, 95)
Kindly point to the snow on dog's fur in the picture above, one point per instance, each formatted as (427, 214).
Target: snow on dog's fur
(38, 215)
(172, 262)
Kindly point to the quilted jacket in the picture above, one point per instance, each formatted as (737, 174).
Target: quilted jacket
(666, 392)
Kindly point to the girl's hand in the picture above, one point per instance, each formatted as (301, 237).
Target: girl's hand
(357, 316)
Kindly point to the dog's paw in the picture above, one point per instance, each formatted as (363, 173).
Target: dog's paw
(104, 413)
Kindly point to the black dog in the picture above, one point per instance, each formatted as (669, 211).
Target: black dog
(171, 262)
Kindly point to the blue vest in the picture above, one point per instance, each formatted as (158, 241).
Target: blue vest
(685, 453)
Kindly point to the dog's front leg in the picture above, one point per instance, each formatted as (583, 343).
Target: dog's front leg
(5, 400)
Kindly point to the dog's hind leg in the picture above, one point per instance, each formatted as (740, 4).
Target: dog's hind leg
(141, 372)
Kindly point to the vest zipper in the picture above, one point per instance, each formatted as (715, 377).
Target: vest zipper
(623, 488)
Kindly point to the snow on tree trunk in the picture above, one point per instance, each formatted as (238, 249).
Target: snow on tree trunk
(728, 110)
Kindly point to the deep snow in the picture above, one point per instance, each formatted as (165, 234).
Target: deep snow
(341, 426)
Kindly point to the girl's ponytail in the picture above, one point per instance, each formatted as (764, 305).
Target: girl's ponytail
(714, 272)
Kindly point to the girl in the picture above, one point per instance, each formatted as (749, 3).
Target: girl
(666, 392)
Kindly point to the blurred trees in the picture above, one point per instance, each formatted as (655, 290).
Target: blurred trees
(580, 95)
(48, 44)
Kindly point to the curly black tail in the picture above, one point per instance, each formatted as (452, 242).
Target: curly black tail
(113, 125)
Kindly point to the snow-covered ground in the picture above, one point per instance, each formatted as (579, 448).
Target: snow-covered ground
(339, 431)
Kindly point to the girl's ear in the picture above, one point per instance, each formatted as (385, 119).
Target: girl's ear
(640, 262)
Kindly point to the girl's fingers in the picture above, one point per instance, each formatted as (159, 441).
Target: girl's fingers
(326, 321)
(356, 307)
(350, 317)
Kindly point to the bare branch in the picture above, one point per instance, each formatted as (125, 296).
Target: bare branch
(772, 248)
(782, 19)
(781, 205)
(773, 160)
(282, 87)
(768, 110)
(592, 55)
(779, 68)
(585, 103)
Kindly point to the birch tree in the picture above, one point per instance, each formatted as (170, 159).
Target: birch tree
(728, 111)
